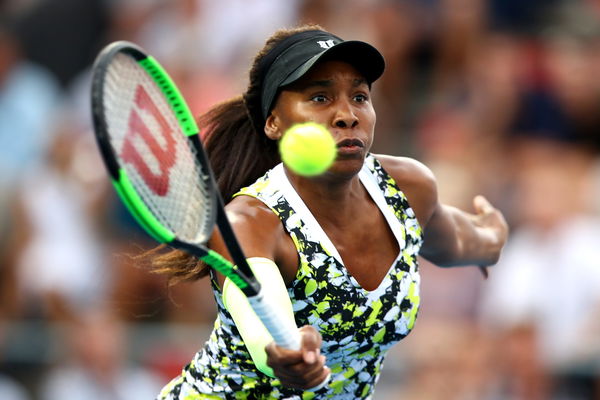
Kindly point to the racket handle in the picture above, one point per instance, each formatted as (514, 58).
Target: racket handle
(284, 332)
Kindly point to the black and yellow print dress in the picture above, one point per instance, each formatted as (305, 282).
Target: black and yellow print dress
(358, 326)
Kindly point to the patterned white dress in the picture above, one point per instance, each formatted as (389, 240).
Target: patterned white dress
(358, 326)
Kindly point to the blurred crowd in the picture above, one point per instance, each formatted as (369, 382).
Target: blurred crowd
(497, 97)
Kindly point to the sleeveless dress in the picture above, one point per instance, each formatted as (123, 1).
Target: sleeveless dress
(358, 326)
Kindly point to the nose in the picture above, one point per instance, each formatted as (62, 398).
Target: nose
(345, 116)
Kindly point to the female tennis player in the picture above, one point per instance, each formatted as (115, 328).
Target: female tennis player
(338, 252)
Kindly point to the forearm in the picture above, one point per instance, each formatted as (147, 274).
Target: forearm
(302, 368)
(455, 237)
(254, 333)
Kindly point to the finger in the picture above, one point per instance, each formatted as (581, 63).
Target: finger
(311, 385)
(302, 372)
(278, 356)
(323, 382)
(320, 380)
(310, 351)
(309, 379)
(311, 344)
(482, 205)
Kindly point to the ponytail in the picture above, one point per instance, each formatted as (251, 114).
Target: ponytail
(239, 153)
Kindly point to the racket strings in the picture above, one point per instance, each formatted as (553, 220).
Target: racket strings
(157, 157)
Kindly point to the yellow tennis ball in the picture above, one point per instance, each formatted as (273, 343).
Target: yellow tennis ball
(308, 149)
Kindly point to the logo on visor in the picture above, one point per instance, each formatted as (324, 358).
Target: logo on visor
(326, 43)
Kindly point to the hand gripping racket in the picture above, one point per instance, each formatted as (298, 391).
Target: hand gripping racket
(151, 147)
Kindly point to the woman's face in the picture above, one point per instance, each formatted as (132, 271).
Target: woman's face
(336, 95)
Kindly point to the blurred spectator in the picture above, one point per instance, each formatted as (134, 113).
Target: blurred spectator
(544, 295)
(98, 367)
(461, 24)
(10, 388)
(562, 100)
(499, 68)
(63, 35)
(61, 266)
(523, 17)
(449, 359)
(28, 99)
(398, 36)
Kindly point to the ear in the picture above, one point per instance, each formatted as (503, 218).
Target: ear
(272, 127)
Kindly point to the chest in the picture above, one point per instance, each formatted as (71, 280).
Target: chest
(367, 246)
(366, 292)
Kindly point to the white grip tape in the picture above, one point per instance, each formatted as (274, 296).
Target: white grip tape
(284, 332)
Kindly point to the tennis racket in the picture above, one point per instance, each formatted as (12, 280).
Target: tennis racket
(151, 147)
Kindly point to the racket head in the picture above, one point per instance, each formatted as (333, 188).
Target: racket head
(150, 145)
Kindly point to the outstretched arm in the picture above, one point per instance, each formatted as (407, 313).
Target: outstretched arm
(455, 237)
(452, 236)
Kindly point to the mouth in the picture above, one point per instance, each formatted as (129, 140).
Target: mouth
(350, 146)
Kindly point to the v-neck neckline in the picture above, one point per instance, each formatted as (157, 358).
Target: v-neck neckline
(319, 235)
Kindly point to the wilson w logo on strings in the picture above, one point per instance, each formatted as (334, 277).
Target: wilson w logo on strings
(154, 169)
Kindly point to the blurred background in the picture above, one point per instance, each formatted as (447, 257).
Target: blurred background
(498, 97)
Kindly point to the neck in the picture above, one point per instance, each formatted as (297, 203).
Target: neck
(330, 199)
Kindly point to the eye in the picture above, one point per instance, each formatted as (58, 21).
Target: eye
(319, 98)
(361, 98)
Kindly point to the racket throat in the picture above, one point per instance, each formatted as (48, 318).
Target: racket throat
(248, 285)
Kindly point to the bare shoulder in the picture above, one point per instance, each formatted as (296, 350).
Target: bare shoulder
(416, 181)
(248, 207)
(406, 170)
(261, 234)
(251, 217)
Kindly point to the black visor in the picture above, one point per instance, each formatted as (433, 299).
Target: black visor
(295, 56)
